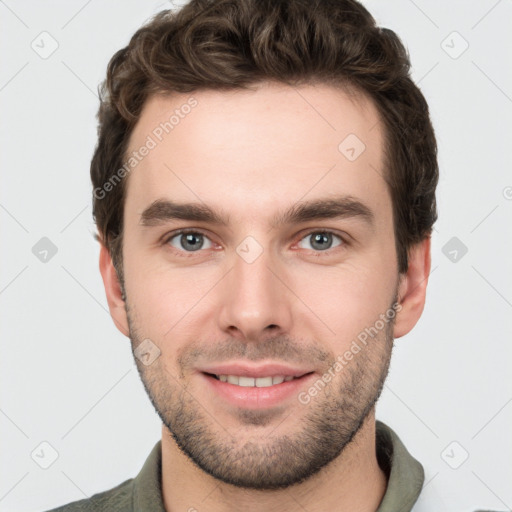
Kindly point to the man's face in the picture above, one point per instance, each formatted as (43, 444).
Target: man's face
(264, 288)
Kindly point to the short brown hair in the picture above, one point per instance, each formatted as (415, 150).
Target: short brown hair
(233, 44)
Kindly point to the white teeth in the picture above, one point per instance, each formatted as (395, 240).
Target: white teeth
(246, 382)
(259, 382)
(263, 382)
(233, 379)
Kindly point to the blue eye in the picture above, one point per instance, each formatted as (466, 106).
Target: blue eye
(321, 240)
(189, 241)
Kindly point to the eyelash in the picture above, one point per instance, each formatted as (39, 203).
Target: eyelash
(188, 254)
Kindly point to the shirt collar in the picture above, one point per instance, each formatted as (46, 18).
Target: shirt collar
(405, 475)
(147, 486)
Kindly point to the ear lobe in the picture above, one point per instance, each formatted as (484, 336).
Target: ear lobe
(113, 291)
(412, 288)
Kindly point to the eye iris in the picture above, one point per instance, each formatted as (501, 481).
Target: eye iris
(321, 238)
(191, 241)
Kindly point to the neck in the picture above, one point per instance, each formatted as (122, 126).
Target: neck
(352, 482)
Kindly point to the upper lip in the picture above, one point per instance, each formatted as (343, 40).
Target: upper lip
(264, 370)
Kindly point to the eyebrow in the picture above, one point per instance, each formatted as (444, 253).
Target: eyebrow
(161, 211)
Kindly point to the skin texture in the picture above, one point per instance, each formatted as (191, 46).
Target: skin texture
(250, 155)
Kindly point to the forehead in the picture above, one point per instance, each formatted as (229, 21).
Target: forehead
(256, 151)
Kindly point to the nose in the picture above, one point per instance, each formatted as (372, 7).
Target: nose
(255, 301)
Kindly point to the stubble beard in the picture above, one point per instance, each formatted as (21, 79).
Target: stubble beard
(280, 458)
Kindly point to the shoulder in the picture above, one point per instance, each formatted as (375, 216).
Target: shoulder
(140, 493)
(117, 498)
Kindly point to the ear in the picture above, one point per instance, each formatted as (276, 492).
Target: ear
(116, 304)
(412, 288)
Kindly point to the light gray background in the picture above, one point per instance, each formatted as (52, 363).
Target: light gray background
(68, 377)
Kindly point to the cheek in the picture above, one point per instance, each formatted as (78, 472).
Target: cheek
(166, 299)
(346, 299)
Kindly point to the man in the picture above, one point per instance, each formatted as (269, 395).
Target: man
(264, 192)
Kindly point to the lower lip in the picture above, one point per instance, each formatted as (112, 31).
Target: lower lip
(254, 397)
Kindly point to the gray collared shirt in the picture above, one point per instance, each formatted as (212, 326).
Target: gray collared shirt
(144, 493)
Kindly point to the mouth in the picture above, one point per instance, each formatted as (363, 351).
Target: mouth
(264, 391)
